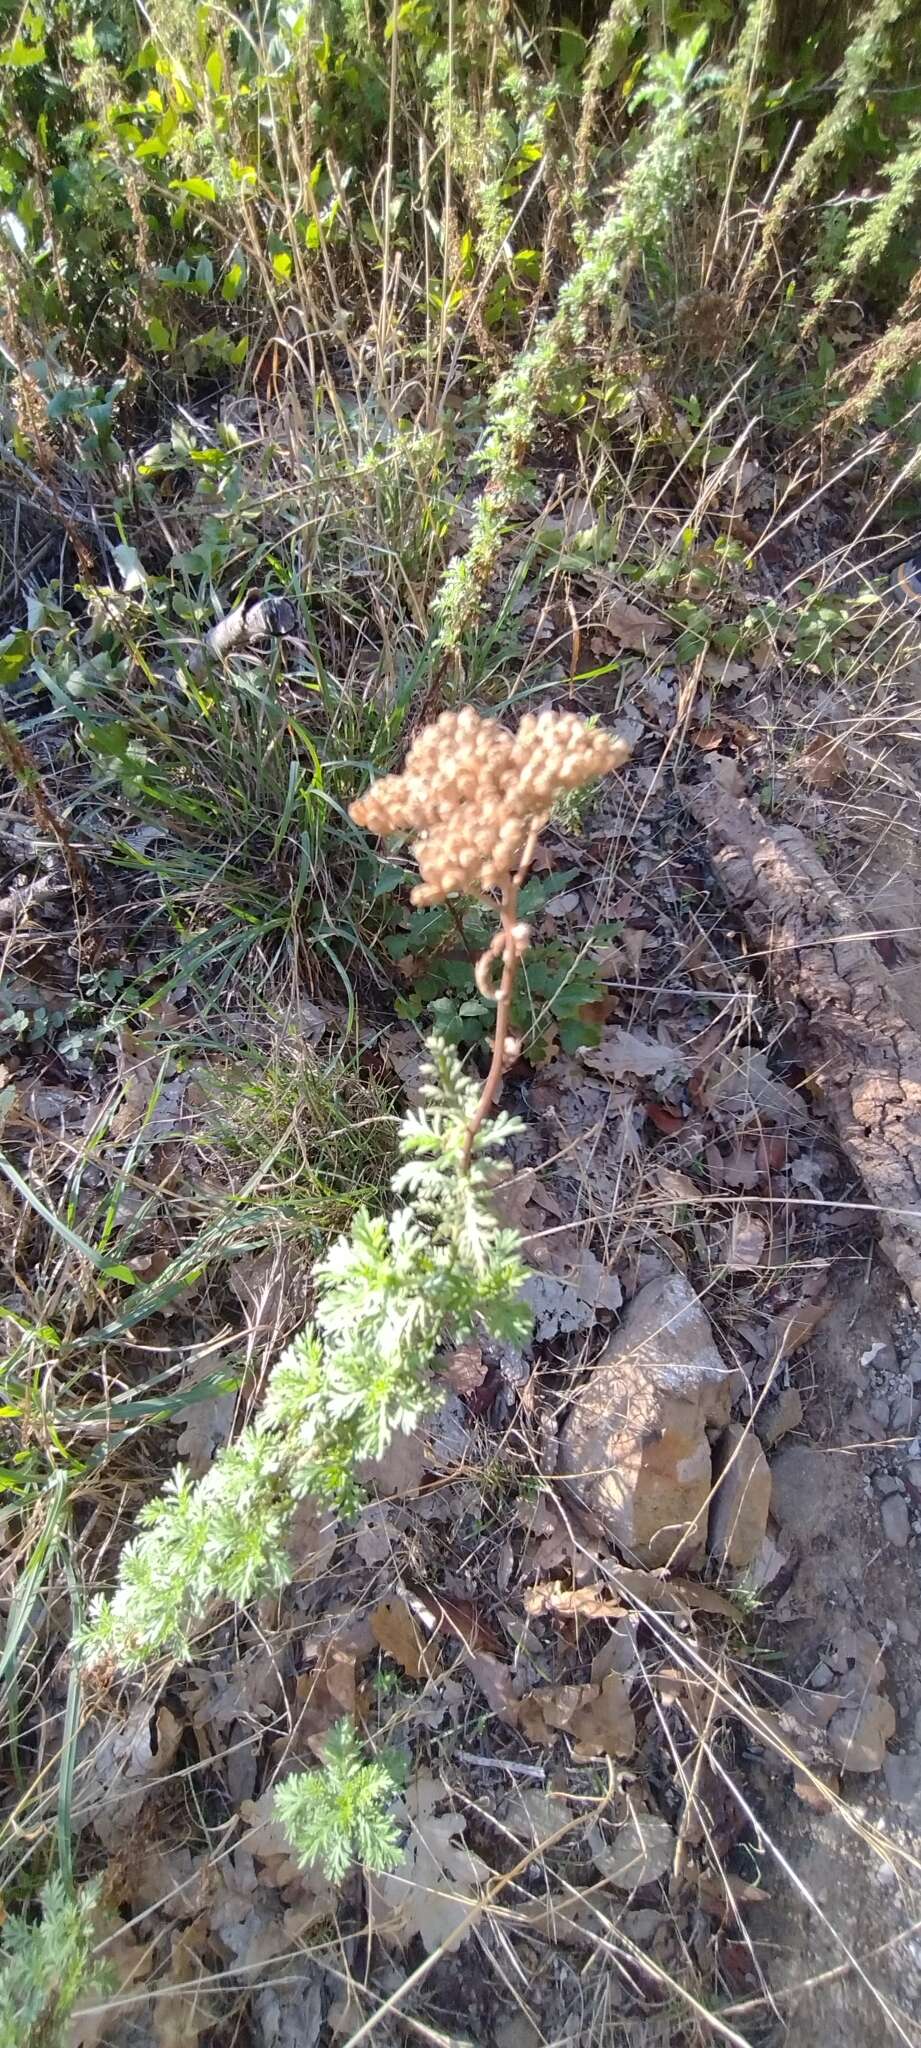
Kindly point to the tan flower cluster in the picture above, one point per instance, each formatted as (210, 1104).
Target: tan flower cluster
(475, 793)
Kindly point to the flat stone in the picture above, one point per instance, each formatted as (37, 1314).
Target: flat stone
(779, 1416)
(911, 1471)
(895, 1520)
(635, 1446)
(903, 1778)
(857, 1736)
(739, 1513)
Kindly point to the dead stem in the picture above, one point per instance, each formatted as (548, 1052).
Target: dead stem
(510, 943)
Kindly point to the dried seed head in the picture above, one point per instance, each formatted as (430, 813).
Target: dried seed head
(474, 793)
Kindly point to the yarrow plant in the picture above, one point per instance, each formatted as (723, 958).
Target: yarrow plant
(394, 1290)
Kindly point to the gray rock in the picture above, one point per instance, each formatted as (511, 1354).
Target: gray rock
(911, 1471)
(895, 1520)
(780, 1416)
(903, 1778)
(635, 1446)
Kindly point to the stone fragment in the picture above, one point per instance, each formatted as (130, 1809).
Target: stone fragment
(779, 1416)
(857, 1735)
(739, 1514)
(635, 1446)
(895, 1520)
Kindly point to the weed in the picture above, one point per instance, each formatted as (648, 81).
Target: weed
(46, 1966)
(338, 1815)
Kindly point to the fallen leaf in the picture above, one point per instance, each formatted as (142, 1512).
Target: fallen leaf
(668, 1121)
(641, 1852)
(595, 1603)
(823, 762)
(396, 1632)
(398, 1475)
(623, 1052)
(747, 1239)
(562, 906)
(460, 1617)
(722, 1896)
(631, 626)
(207, 1425)
(431, 1892)
(267, 1841)
(598, 1717)
(726, 772)
(181, 2011)
(795, 1325)
(124, 1760)
(324, 1693)
(742, 1088)
(465, 1369)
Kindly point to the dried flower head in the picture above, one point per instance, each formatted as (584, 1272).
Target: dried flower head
(477, 795)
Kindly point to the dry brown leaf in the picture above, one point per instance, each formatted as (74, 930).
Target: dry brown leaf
(633, 1053)
(747, 1240)
(594, 1603)
(823, 762)
(598, 1717)
(743, 1088)
(460, 1617)
(124, 1761)
(641, 1852)
(267, 1842)
(722, 1896)
(396, 1632)
(465, 1369)
(432, 1890)
(586, 1603)
(323, 1694)
(181, 2010)
(633, 627)
(398, 1475)
(795, 1325)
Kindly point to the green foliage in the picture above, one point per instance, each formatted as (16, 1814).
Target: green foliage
(339, 1815)
(46, 1966)
(386, 1297)
(652, 187)
(437, 950)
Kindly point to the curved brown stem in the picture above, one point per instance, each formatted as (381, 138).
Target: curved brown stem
(514, 942)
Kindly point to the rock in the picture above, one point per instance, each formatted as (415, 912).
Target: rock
(857, 1735)
(903, 1778)
(894, 1517)
(635, 1446)
(780, 1416)
(912, 1472)
(739, 1514)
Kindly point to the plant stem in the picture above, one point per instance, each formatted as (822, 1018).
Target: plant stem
(511, 954)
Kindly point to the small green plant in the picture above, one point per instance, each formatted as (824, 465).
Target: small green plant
(46, 1966)
(437, 949)
(340, 1814)
(386, 1297)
